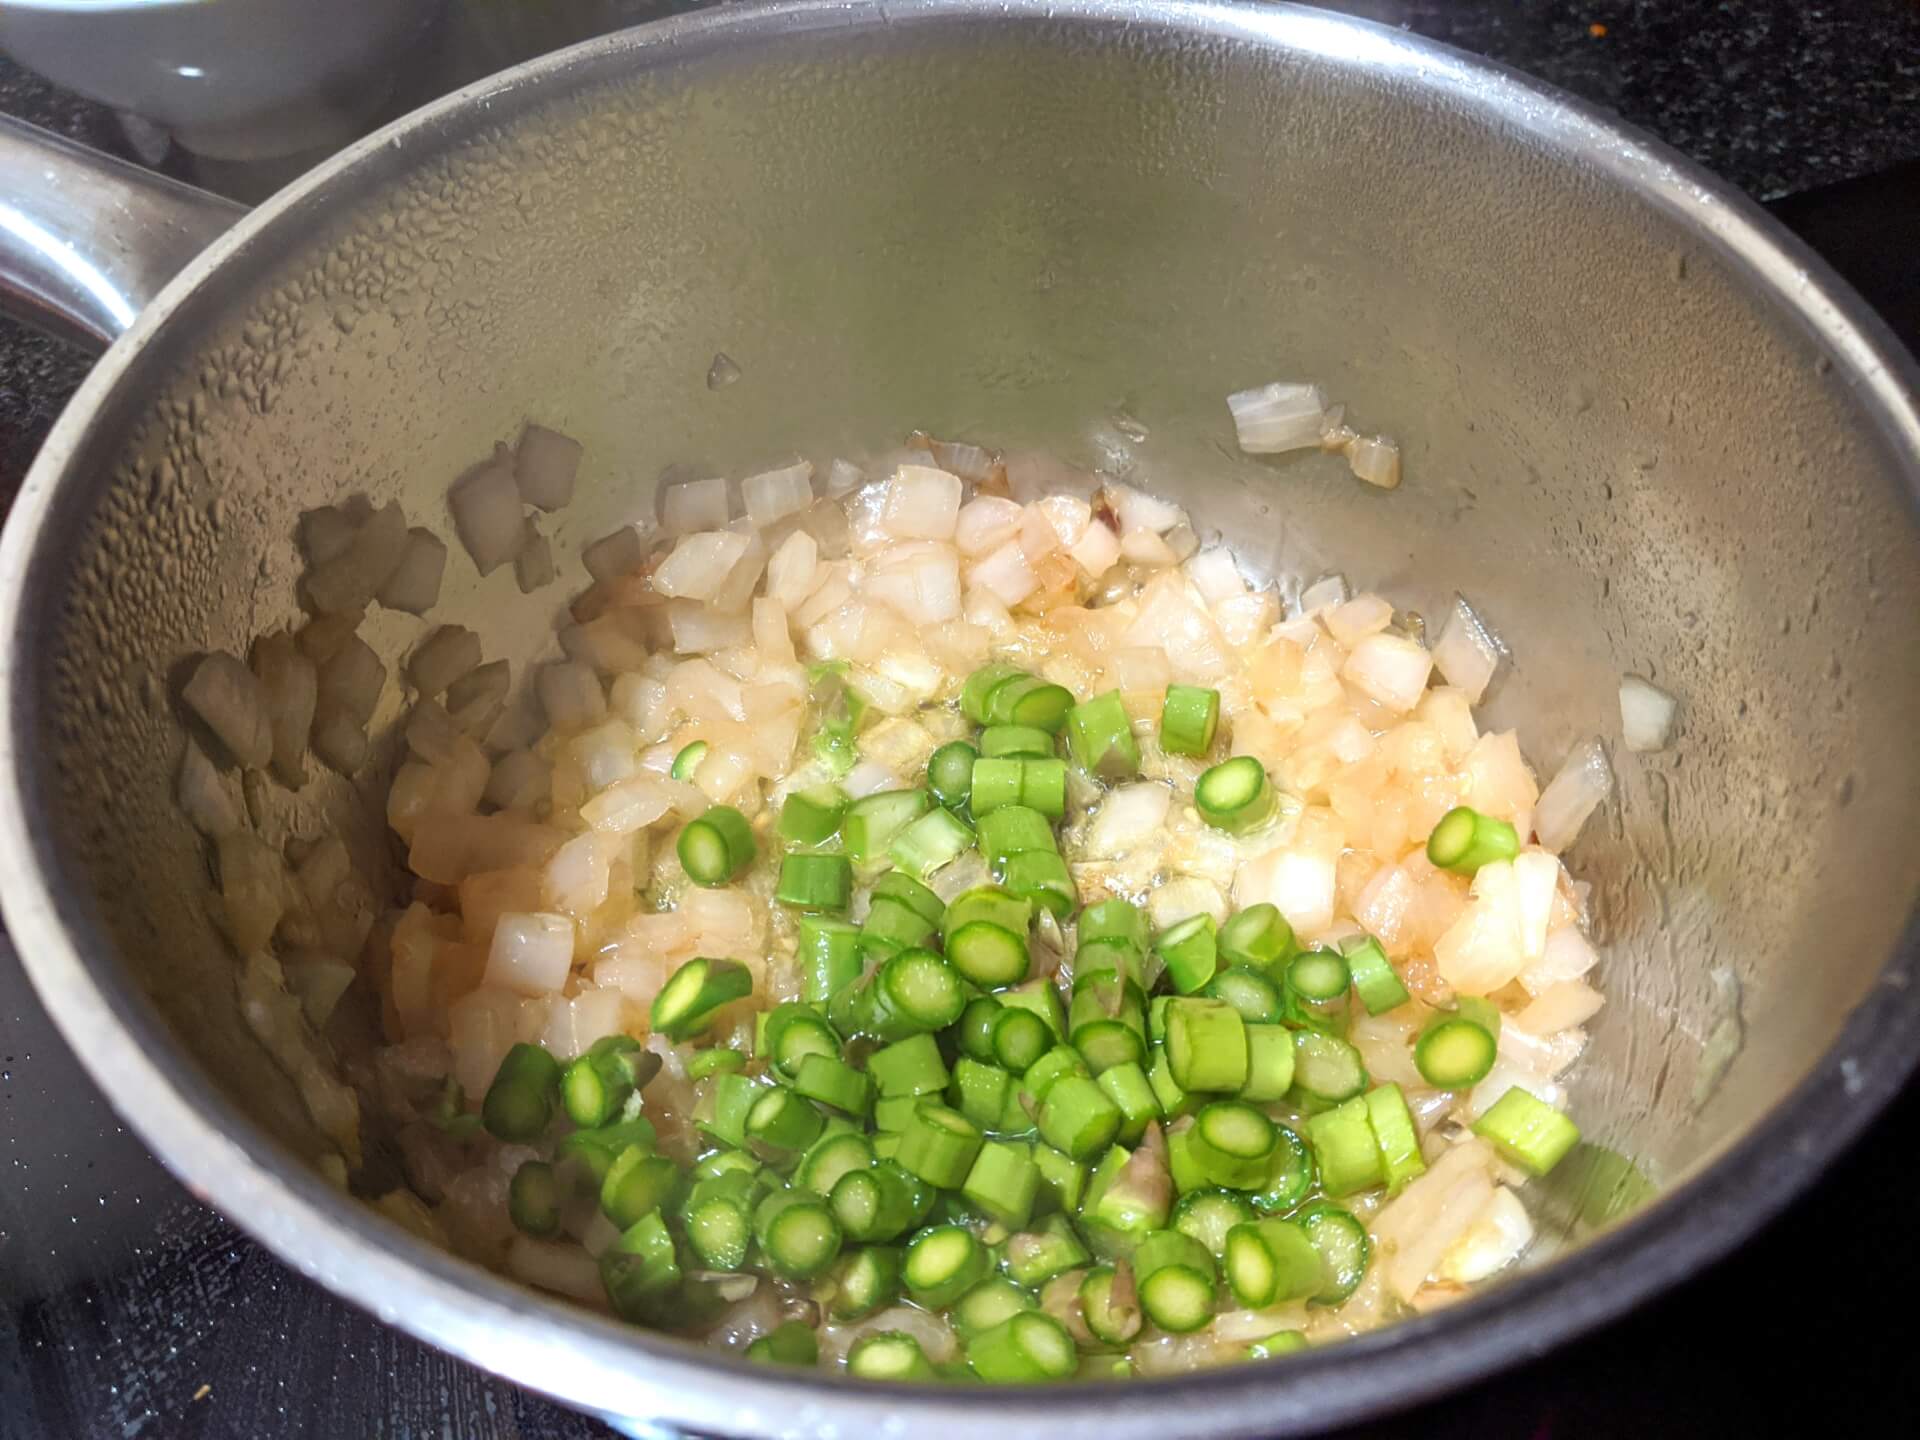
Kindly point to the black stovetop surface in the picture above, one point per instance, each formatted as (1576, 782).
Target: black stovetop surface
(128, 1309)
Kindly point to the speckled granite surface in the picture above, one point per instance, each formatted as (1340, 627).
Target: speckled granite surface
(127, 1309)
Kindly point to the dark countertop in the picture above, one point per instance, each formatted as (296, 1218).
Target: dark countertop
(127, 1309)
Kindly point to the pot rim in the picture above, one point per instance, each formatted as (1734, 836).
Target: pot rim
(597, 1364)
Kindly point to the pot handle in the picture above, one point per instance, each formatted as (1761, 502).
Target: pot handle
(87, 240)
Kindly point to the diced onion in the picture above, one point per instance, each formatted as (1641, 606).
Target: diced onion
(204, 797)
(225, 694)
(773, 495)
(1493, 1240)
(843, 478)
(1278, 417)
(1130, 816)
(1324, 593)
(1483, 950)
(474, 701)
(985, 523)
(1536, 876)
(607, 644)
(1140, 511)
(1358, 618)
(1389, 669)
(1215, 575)
(531, 953)
(1300, 883)
(1646, 715)
(698, 630)
(1097, 550)
(618, 552)
(628, 805)
(556, 1267)
(1066, 515)
(1572, 795)
(1005, 575)
(736, 589)
(1143, 547)
(1375, 460)
(692, 506)
(1139, 667)
(352, 678)
(339, 739)
(1183, 897)
(926, 590)
(348, 582)
(317, 982)
(448, 654)
(414, 585)
(520, 780)
(575, 880)
(1567, 956)
(969, 462)
(793, 570)
(290, 689)
(544, 466)
(922, 503)
(571, 696)
(325, 532)
(1467, 652)
(1560, 1006)
(487, 514)
(699, 564)
(1171, 618)
(1382, 907)
(868, 777)
(606, 753)
(1414, 1230)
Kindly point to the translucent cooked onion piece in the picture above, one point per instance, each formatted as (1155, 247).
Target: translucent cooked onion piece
(1467, 652)
(1646, 715)
(1328, 591)
(487, 514)
(694, 505)
(1389, 669)
(289, 685)
(1005, 575)
(699, 564)
(1215, 575)
(985, 523)
(350, 579)
(1375, 459)
(324, 533)
(618, 552)
(531, 953)
(570, 693)
(1572, 795)
(448, 654)
(544, 466)
(773, 495)
(922, 503)
(227, 697)
(352, 679)
(1130, 816)
(1278, 417)
(414, 585)
(203, 795)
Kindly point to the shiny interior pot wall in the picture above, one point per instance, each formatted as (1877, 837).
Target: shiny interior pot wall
(1613, 445)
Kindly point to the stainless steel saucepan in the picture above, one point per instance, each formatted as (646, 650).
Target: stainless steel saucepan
(1645, 431)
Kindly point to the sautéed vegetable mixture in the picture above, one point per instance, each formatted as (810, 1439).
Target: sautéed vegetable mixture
(947, 923)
